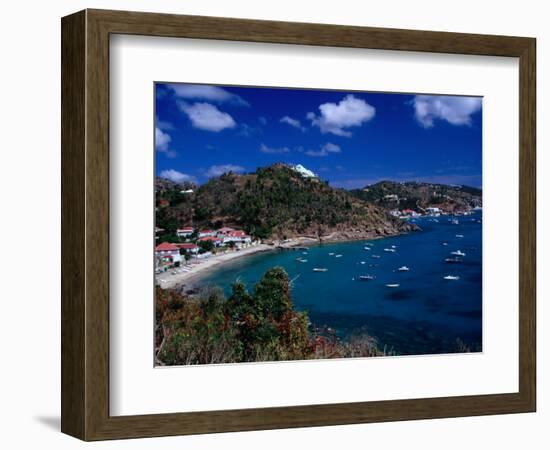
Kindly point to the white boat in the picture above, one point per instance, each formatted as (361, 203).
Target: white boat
(304, 253)
(331, 254)
(455, 222)
(393, 246)
(320, 269)
(338, 256)
(444, 243)
(367, 249)
(389, 250)
(369, 244)
(363, 262)
(459, 235)
(453, 260)
(392, 285)
(451, 277)
(458, 253)
(302, 260)
(366, 277)
(403, 269)
(375, 256)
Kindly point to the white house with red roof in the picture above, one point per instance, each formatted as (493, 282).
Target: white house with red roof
(185, 232)
(167, 254)
(189, 247)
(237, 236)
(214, 239)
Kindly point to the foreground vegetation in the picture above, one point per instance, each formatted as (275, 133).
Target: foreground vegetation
(261, 325)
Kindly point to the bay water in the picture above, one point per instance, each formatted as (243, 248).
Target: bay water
(423, 313)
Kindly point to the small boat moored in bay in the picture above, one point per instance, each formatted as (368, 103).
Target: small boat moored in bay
(451, 277)
(320, 269)
(453, 260)
(366, 277)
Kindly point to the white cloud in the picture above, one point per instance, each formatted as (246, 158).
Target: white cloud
(177, 177)
(164, 125)
(335, 118)
(293, 123)
(249, 130)
(207, 117)
(272, 150)
(216, 171)
(325, 150)
(454, 110)
(162, 140)
(203, 92)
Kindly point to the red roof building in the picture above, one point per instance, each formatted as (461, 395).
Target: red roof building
(167, 247)
(237, 233)
(210, 238)
(187, 246)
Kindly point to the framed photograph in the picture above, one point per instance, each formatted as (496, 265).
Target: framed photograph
(272, 225)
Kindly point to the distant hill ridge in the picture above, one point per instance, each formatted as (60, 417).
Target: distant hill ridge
(275, 202)
(419, 195)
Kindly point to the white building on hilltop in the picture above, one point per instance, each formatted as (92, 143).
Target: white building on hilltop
(306, 173)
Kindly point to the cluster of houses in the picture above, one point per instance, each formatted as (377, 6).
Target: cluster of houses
(170, 254)
(222, 236)
(408, 213)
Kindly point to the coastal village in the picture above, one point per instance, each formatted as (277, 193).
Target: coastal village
(187, 242)
(198, 245)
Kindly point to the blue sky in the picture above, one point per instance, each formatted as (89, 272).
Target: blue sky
(350, 139)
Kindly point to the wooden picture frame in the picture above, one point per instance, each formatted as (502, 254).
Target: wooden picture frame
(85, 224)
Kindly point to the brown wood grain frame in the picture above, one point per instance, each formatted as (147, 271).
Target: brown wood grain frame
(85, 224)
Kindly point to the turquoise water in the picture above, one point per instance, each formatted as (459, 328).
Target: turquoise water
(425, 314)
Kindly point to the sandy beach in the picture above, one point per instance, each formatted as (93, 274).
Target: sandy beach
(188, 275)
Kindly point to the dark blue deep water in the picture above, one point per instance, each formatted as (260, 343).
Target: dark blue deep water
(425, 314)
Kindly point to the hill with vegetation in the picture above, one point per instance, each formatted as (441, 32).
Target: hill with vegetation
(419, 196)
(275, 202)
